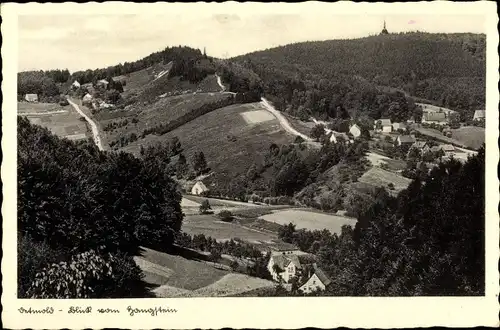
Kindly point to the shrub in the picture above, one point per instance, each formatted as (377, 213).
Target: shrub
(226, 215)
(205, 207)
(89, 275)
(32, 257)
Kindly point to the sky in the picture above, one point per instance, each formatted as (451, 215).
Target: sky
(79, 42)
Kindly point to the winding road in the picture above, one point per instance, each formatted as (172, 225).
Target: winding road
(95, 131)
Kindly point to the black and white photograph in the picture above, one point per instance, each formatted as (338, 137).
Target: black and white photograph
(236, 155)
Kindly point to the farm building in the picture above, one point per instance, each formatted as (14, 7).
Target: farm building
(439, 118)
(31, 97)
(479, 115)
(405, 140)
(75, 84)
(318, 281)
(103, 83)
(199, 188)
(396, 126)
(287, 266)
(421, 145)
(355, 130)
(383, 125)
(447, 148)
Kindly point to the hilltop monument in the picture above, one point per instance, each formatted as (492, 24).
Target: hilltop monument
(384, 30)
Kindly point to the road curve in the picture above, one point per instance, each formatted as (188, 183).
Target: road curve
(95, 131)
(283, 121)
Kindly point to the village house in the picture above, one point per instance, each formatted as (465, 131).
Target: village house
(479, 115)
(405, 140)
(448, 149)
(87, 98)
(355, 130)
(439, 118)
(421, 145)
(75, 84)
(317, 281)
(397, 126)
(332, 138)
(31, 97)
(411, 120)
(383, 125)
(287, 266)
(103, 83)
(199, 188)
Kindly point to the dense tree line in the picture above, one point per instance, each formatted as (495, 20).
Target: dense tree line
(427, 241)
(42, 83)
(449, 69)
(164, 56)
(73, 198)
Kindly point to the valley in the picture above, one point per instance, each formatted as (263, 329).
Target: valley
(216, 169)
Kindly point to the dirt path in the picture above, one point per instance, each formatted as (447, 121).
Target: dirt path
(95, 131)
(283, 121)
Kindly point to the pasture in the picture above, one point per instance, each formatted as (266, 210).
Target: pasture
(389, 163)
(381, 178)
(471, 136)
(177, 276)
(63, 121)
(311, 220)
(210, 225)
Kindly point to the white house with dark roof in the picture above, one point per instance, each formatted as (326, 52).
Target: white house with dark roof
(76, 84)
(31, 97)
(355, 131)
(317, 281)
(396, 126)
(479, 115)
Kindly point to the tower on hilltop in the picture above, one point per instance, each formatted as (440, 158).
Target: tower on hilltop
(384, 30)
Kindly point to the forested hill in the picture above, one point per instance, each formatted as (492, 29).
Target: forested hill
(446, 68)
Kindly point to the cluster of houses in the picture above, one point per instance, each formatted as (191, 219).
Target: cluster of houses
(88, 99)
(288, 262)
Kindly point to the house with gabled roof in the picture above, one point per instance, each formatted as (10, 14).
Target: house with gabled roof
(316, 281)
(287, 266)
(405, 140)
(383, 125)
(31, 97)
(199, 188)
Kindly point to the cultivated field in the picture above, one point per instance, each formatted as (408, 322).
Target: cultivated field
(63, 121)
(310, 220)
(210, 225)
(258, 116)
(177, 276)
(381, 178)
(471, 136)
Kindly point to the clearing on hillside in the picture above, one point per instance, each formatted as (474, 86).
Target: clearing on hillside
(381, 178)
(232, 284)
(257, 116)
(311, 220)
(471, 136)
(230, 145)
